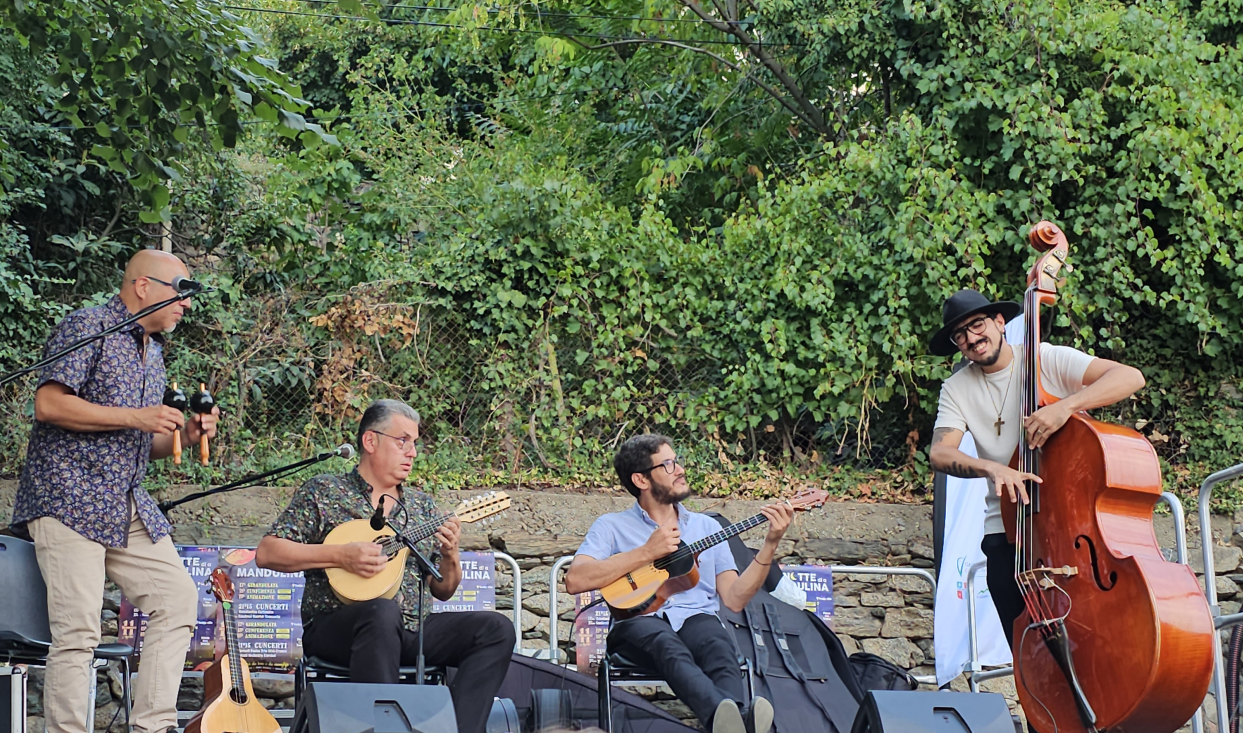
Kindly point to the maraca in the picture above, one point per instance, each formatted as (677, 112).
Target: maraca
(202, 403)
(175, 399)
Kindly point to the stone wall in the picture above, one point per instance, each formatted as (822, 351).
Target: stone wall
(891, 617)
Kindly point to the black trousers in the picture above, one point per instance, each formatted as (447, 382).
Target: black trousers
(1001, 584)
(370, 638)
(699, 661)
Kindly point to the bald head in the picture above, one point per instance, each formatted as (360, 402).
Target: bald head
(147, 282)
(154, 263)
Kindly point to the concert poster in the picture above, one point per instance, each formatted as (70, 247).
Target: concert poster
(477, 591)
(268, 607)
(817, 582)
(591, 632)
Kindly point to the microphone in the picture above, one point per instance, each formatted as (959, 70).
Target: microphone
(345, 450)
(377, 519)
(186, 285)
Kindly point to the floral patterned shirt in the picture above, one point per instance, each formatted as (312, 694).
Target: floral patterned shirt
(326, 501)
(87, 480)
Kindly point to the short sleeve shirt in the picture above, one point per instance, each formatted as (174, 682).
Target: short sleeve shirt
(87, 480)
(325, 502)
(972, 401)
(626, 530)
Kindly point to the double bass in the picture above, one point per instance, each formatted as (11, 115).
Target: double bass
(1113, 637)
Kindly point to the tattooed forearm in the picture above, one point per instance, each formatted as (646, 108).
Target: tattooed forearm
(961, 471)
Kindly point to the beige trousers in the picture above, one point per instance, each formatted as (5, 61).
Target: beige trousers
(152, 576)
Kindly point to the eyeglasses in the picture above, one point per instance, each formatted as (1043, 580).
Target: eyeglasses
(669, 464)
(976, 326)
(403, 442)
(154, 280)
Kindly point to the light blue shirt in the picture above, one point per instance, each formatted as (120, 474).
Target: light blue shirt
(624, 531)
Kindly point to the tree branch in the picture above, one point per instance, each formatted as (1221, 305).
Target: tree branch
(785, 102)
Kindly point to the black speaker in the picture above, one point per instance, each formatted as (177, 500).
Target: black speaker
(349, 707)
(550, 708)
(504, 717)
(892, 711)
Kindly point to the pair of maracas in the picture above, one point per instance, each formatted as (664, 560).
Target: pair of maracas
(200, 402)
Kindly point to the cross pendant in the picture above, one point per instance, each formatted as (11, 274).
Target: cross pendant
(998, 425)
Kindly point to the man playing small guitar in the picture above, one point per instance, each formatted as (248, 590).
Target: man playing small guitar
(684, 640)
(375, 637)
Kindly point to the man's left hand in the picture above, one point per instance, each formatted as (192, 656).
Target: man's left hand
(779, 517)
(448, 535)
(202, 424)
(1043, 423)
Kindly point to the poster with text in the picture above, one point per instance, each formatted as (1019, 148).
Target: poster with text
(591, 632)
(817, 582)
(477, 591)
(267, 606)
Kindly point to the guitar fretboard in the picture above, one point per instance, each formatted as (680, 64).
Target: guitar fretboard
(734, 529)
(230, 638)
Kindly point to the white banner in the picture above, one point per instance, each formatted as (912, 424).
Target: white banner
(964, 530)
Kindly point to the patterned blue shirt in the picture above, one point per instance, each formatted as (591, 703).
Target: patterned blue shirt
(624, 531)
(86, 480)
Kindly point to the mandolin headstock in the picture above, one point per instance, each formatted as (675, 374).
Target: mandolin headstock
(808, 499)
(222, 585)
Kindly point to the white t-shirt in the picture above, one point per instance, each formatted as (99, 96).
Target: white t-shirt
(971, 400)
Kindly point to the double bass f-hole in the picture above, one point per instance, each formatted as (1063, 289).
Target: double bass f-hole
(1098, 574)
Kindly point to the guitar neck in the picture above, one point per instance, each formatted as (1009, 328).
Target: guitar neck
(734, 529)
(423, 530)
(230, 640)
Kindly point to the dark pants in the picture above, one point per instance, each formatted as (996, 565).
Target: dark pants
(1001, 584)
(370, 639)
(699, 661)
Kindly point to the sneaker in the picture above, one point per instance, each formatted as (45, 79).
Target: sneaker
(728, 719)
(760, 716)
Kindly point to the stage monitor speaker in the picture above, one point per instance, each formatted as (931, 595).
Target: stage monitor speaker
(892, 711)
(504, 717)
(349, 707)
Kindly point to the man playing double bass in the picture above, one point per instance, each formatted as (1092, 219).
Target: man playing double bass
(984, 398)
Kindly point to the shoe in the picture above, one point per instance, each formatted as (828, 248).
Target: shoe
(727, 718)
(760, 716)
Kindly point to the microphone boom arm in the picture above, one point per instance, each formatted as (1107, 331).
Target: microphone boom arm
(253, 479)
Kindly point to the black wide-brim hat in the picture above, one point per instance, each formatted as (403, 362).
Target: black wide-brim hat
(963, 304)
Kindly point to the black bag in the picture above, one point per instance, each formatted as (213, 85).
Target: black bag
(878, 673)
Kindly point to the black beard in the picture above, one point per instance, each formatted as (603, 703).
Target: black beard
(990, 360)
(666, 496)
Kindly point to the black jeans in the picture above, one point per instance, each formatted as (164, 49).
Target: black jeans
(370, 638)
(699, 661)
(1001, 584)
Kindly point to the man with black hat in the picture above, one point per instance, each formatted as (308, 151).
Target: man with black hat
(984, 399)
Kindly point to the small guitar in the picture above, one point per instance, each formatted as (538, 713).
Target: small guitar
(352, 588)
(231, 705)
(645, 590)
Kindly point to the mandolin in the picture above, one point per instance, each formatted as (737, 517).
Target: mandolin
(352, 588)
(645, 590)
(231, 705)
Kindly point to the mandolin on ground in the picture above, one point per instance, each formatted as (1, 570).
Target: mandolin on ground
(231, 705)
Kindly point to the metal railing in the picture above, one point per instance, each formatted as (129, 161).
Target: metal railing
(1210, 586)
(517, 573)
(554, 642)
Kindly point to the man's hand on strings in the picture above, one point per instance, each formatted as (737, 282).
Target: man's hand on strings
(1045, 422)
(1008, 481)
(448, 536)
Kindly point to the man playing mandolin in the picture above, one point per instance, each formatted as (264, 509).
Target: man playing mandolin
(375, 637)
(984, 399)
(684, 641)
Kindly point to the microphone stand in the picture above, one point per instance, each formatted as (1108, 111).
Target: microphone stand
(250, 480)
(115, 328)
(425, 568)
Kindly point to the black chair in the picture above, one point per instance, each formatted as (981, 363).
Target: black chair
(25, 637)
(616, 668)
(314, 669)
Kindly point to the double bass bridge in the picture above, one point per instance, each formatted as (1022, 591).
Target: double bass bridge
(1045, 578)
